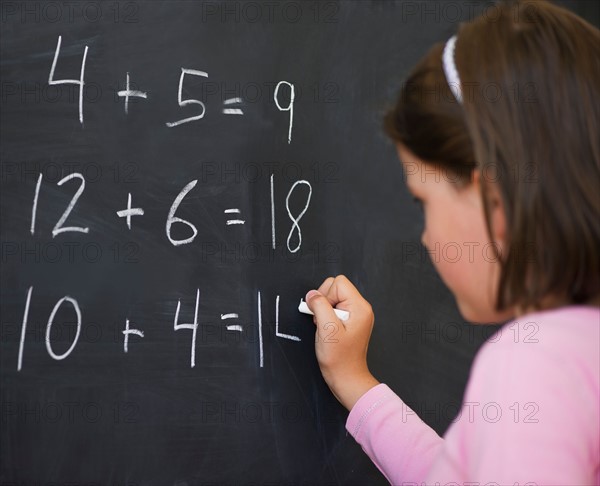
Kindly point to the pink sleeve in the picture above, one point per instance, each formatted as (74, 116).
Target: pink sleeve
(400, 444)
(531, 413)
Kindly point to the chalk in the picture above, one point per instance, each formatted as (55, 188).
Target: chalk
(342, 314)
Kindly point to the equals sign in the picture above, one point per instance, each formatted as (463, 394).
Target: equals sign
(231, 327)
(232, 111)
(233, 221)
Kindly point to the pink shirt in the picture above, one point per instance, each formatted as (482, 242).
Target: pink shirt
(530, 415)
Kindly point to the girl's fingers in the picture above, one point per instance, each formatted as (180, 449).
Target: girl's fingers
(341, 293)
(326, 285)
(325, 317)
(344, 295)
(338, 289)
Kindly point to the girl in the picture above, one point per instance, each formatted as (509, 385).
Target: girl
(498, 133)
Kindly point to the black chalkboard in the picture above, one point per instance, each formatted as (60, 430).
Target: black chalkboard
(278, 193)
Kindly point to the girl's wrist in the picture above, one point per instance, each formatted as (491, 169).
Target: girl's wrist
(348, 390)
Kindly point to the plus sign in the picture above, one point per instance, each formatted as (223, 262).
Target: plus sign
(129, 93)
(129, 212)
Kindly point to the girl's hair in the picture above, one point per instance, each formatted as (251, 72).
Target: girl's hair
(530, 123)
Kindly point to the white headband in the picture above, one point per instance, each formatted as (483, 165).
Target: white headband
(450, 69)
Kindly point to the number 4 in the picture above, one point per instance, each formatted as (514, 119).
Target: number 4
(52, 81)
(193, 327)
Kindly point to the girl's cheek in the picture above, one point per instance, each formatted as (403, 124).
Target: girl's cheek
(448, 272)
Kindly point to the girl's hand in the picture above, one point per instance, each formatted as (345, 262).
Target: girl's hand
(341, 346)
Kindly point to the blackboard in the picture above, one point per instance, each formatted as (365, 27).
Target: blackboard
(183, 111)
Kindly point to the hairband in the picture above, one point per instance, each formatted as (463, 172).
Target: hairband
(450, 69)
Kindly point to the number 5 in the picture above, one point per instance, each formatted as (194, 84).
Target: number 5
(190, 101)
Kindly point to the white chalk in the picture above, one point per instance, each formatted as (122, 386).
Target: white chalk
(342, 314)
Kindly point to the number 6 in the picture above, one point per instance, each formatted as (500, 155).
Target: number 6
(171, 218)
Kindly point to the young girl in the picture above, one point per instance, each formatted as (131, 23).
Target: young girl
(498, 131)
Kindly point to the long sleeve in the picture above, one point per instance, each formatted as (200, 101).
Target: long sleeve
(531, 413)
(400, 444)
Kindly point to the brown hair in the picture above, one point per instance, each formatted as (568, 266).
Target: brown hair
(530, 123)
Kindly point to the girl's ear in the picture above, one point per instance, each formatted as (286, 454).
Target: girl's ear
(495, 208)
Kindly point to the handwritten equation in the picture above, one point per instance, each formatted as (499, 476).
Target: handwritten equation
(229, 319)
(230, 105)
(232, 215)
